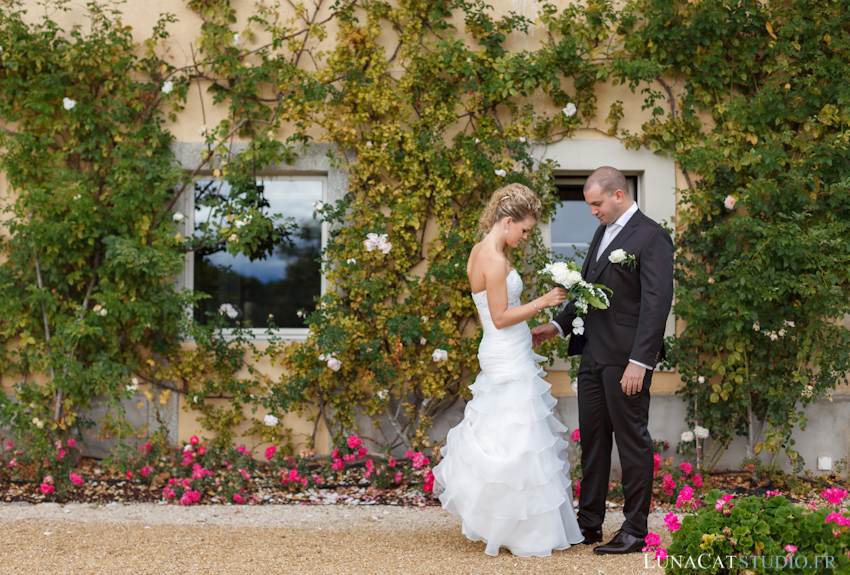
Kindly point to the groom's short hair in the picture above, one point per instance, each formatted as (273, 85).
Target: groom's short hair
(608, 179)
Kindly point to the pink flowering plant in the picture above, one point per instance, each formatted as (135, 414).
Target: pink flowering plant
(744, 527)
(672, 480)
(33, 458)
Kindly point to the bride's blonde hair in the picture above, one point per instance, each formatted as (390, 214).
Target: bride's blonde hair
(514, 200)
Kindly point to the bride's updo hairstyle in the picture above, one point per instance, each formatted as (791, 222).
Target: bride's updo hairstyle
(514, 200)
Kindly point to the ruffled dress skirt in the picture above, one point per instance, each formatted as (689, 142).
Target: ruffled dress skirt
(504, 469)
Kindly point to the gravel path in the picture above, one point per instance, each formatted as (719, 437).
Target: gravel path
(288, 539)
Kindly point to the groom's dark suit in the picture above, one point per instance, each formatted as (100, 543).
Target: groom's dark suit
(632, 328)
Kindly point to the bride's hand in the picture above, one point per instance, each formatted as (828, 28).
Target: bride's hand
(555, 297)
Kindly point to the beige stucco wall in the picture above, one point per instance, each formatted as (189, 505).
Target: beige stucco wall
(142, 16)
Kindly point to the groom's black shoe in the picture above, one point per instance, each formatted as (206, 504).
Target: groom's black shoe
(592, 536)
(621, 544)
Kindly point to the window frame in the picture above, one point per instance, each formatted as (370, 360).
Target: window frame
(576, 157)
(316, 160)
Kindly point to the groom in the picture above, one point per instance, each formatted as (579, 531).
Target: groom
(619, 349)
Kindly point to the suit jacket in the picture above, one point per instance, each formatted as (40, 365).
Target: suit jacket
(633, 325)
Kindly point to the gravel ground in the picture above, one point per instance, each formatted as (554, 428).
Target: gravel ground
(288, 539)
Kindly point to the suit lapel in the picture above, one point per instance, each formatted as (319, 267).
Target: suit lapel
(618, 242)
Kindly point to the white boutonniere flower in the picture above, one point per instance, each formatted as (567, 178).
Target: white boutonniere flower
(578, 326)
(622, 257)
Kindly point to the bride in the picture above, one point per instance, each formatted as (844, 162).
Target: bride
(504, 470)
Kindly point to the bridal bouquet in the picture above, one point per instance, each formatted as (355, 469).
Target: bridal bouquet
(586, 295)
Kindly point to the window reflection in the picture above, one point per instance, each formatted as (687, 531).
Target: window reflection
(278, 283)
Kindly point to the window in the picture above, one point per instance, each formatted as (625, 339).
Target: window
(572, 225)
(279, 282)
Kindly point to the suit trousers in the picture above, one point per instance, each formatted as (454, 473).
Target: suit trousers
(604, 410)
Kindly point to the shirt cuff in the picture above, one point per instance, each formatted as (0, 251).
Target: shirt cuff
(558, 327)
(641, 364)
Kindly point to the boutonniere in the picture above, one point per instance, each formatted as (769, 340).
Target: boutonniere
(623, 258)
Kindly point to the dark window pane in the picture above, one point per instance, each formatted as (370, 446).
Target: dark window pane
(279, 284)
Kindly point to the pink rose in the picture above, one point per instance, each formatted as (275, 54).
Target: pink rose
(577, 489)
(76, 479)
(399, 476)
(270, 451)
(72, 443)
(575, 436)
(686, 467)
(730, 202)
(361, 453)
(194, 440)
(354, 442)
(392, 462)
(697, 481)
(10, 446)
(145, 471)
(238, 499)
(338, 464)
(13, 462)
(47, 489)
(61, 455)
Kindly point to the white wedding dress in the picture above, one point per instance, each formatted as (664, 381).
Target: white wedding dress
(504, 469)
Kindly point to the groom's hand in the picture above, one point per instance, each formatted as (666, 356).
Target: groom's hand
(632, 380)
(541, 333)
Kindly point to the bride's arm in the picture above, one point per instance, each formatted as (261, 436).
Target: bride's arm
(497, 298)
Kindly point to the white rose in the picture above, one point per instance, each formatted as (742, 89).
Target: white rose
(351, 261)
(522, 139)
(167, 87)
(440, 355)
(700, 432)
(178, 217)
(270, 420)
(422, 341)
(236, 39)
(385, 246)
(578, 326)
(187, 447)
(572, 278)
(730, 202)
(558, 271)
(618, 256)
(319, 206)
(688, 436)
(229, 310)
(570, 110)
(701, 379)
(382, 394)
(501, 173)
(103, 312)
(68, 103)
(334, 364)
(477, 141)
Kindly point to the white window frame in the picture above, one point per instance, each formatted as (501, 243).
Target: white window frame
(314, 164)
(656, 181)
